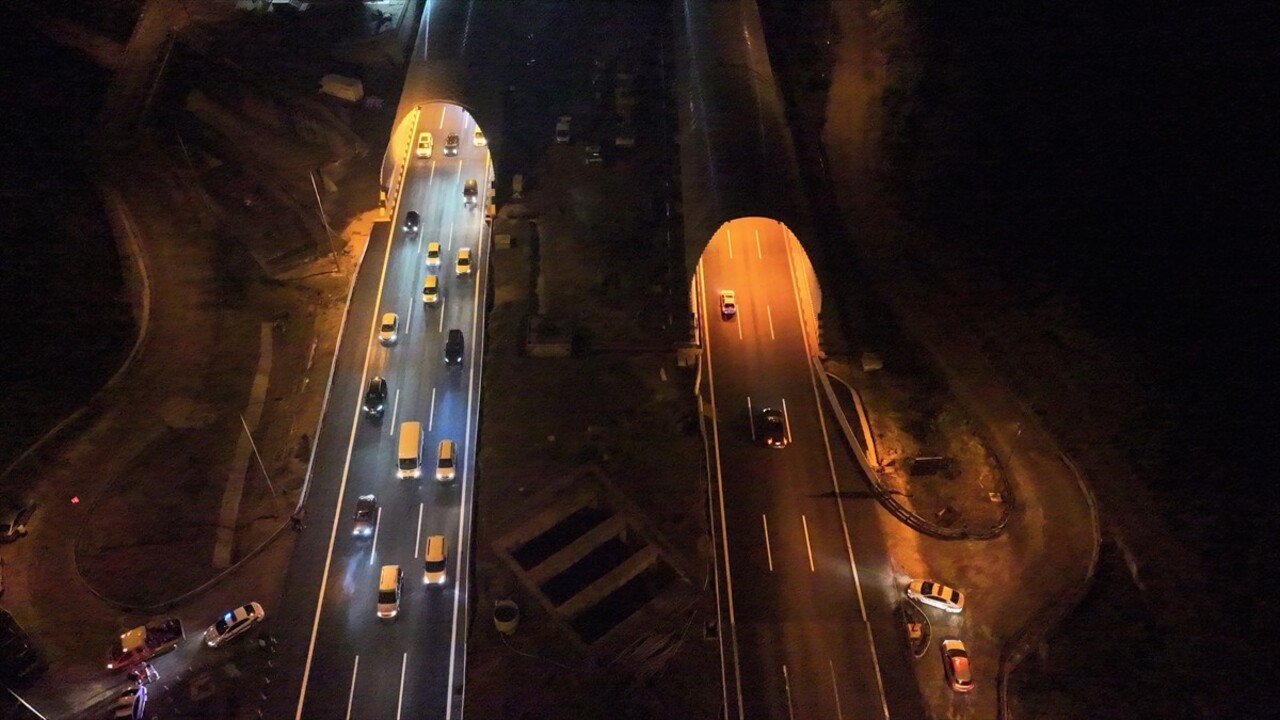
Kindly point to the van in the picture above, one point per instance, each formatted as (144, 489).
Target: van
(434, 558)
(431, 289)
(389, 582)
(445, 462)
(410, 456)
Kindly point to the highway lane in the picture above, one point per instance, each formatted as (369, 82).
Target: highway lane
(803, 648)
(355, 665)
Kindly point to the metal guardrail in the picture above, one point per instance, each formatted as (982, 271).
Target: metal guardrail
(882, 493)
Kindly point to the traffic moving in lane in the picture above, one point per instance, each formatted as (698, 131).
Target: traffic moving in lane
(384, 644)
(799, 639)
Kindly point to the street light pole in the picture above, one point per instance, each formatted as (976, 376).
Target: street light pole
(254, 445)
(325, 220)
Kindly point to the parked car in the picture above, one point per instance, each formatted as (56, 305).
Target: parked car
(366, 515)
(937, 595)
(562, 129)
(14, 519)
(955, 660)
(233, 624)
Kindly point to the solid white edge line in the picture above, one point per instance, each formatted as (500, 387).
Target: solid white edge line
(395, 408)
(751, 418)
(346, 467)
(729, 234)
(431, 410)
(835, 483)
(724, 530)
(473, 426)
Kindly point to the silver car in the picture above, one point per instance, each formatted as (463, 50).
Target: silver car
(233, 624)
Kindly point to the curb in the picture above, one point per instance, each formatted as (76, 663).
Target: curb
(141, 290)
(1034, 632)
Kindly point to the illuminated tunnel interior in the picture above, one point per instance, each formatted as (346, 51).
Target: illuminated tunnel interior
(426, 133)
(755, 274)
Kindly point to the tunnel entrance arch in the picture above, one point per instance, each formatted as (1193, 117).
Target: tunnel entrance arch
(761, 262)
(437, 120)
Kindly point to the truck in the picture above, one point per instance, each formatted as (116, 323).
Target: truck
(145, 642)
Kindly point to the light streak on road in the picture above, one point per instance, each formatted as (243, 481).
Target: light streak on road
(769, 311)
(835, 689)
(768, 549)
(377, 525)
(729, 234)
(351, 696)
(807, 545)
(417, 540)
(400, 701)
(431, 411)
(395, 408)
(759, 253)
(786, 682)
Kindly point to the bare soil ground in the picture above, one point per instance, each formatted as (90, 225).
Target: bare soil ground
(631, 414)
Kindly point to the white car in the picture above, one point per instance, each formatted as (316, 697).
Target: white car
(478, 138)
(389, 328)
(233, 624)
(433, 254)
(426, 144)
(939, 596)
(463, 264)
(728, 304)
(562, 129)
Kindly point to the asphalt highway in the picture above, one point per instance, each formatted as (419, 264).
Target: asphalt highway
(806, 588)
(357, 665)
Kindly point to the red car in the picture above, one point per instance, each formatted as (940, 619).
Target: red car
(955, 658)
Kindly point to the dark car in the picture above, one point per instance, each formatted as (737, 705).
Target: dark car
(13, 520)
(411, 221)
(453, 348)
(451, 144)
(773, 428)
(366, 515)
(375, 397)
